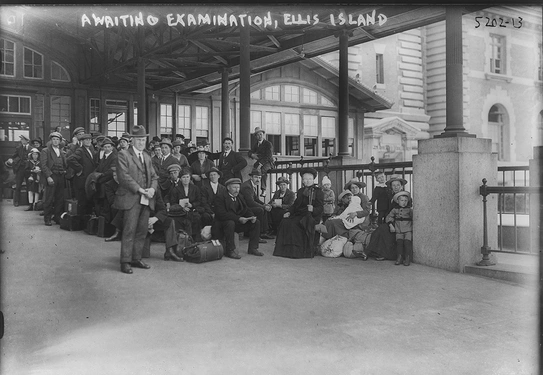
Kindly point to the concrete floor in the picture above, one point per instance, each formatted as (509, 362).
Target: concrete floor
(69, 310)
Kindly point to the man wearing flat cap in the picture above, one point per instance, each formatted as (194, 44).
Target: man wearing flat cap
(262, 154)
(83, 164)
(136, 197)
(18, 160)
(233, 216)
(163, 164)
(53, 168)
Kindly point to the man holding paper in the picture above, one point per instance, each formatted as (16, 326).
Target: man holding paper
(135, 196)
(233, 216)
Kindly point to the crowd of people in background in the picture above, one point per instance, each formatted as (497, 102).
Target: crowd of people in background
(196, 188)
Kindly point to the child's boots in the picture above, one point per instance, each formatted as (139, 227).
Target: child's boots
(399, 251)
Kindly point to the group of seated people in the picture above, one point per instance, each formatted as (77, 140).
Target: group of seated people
(194, 193)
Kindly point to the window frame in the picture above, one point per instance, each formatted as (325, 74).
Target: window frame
(18, 97)
(33, 65)
(3, 62)
(497, 47)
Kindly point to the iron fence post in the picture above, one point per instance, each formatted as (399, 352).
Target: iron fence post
(372, 167)
(485, 249)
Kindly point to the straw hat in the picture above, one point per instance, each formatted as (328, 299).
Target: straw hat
(396, 177)
(399, 194)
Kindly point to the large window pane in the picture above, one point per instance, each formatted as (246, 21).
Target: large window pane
(273, 123)
(202, 122)
(275, 140)
(292, 123)
(328, 127)
(292, 145)
(166, 119)
(310, 146)
(94, 115)
(311, 125)
(61, 110)
(183, 120)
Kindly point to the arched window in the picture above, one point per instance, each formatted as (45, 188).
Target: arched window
(58, 73)
(497, 130)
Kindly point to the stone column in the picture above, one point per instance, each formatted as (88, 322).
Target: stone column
(448, 171)
(448, 209)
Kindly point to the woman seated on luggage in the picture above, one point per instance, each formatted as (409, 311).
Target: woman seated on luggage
(335, 226)
(184, 202)
(296, 235)
(282, 199)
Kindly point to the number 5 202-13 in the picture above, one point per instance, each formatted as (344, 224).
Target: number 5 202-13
(498, 22)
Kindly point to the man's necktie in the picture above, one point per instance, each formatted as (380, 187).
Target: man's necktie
(141, 159)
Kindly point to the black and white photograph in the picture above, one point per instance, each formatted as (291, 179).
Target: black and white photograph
(271, 188)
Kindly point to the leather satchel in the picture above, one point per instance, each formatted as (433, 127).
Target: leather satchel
(183, 241)
(204, 252)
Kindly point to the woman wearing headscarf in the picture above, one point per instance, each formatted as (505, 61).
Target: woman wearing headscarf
(296, 235)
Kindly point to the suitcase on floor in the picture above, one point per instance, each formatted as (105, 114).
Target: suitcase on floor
(70, 222)
(203, 252)
(105, 229)
(92, 226)
(71, 206)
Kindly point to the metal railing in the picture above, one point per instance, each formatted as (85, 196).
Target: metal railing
(514, 233)
(338, 174)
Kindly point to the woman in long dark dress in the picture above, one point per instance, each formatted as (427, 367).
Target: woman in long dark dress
(382, 244)
(296, 235)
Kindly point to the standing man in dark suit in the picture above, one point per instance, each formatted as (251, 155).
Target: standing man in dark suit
(231, 163)
(262, 154)
(249, 190)
(53, 168)
(135, 196)
(18, 161)
(210, 188)
(233, 216)
(104, 173)
(83, 163)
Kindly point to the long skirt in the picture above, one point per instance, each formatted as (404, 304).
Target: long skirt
(296, 237)
(382, 243)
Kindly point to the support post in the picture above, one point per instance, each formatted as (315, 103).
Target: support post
(142, 99)
(454, 126)
(225, 106)
(485, 249)
(245, 90)
(343, 107)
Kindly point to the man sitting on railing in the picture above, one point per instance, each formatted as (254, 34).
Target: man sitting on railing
(262, 153)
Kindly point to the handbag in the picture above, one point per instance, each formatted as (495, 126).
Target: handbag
(183, 241)
(204, 252)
